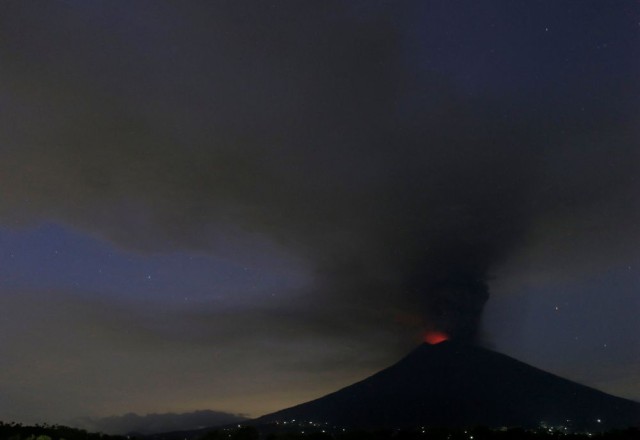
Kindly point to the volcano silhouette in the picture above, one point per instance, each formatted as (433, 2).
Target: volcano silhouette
(452, 384)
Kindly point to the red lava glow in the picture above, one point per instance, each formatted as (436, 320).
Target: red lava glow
(435, 337)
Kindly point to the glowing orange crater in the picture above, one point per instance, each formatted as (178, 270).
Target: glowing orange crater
(435, 337)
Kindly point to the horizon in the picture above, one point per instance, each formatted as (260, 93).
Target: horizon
(160, 423)
(154, 423)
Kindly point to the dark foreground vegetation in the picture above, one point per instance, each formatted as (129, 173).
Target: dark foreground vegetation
(273, 432)
(17, 431)
(479, 433)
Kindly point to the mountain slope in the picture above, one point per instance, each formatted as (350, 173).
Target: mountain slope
(461, 385)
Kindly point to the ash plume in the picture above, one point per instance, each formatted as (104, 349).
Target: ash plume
(321, 125)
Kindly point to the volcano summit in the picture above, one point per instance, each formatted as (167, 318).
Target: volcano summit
(454, 384)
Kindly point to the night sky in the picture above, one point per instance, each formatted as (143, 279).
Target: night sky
(243, 205)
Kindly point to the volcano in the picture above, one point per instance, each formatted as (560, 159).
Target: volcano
(456, 385)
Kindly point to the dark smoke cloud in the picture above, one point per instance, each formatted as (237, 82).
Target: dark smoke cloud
(166, 126)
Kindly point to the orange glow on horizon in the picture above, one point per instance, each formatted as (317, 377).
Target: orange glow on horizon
(435, 337)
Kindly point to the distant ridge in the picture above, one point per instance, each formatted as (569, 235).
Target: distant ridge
(452, 384)
(158, 423)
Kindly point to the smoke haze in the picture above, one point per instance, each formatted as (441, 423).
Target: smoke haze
(329, 128)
